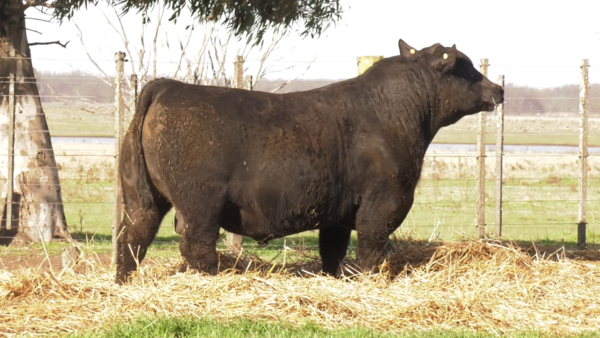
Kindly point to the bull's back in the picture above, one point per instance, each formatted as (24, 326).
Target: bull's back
(277, 156)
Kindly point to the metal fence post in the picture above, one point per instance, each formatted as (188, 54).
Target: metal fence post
(233, 241)
(481, 163)
(120, 105)
(499, 160)
(11, 151)
(583, 153)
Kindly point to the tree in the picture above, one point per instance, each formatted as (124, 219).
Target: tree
(199, 54)
(40, 213)
(252, 18)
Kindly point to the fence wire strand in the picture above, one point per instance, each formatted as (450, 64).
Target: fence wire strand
(86, 185)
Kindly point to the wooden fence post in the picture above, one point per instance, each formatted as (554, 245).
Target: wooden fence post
(11, 151)
(233, 241)
(239, 72)
(249, 82)
(499, 160)
(133, 94)
(365, 62)
(481, 163)
(583, 154)
(120, 105)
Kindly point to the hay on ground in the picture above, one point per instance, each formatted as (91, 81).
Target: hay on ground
(477, 285)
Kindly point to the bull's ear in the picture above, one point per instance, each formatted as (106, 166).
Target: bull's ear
(445, 61)
(405, 49)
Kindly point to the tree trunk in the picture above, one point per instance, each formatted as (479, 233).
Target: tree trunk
(39, 213)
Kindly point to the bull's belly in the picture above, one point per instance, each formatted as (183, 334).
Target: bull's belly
(251, 224)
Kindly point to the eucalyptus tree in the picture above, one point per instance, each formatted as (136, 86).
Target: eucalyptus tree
(38, 210)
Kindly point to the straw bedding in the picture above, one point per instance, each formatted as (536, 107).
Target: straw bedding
(480, 286)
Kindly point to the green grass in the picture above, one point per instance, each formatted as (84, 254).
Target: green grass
(192, 327)
(69, 119)
(542, 208)
(521, 130)
(532, 209)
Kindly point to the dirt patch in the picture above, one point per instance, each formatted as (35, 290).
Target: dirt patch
(34, 258)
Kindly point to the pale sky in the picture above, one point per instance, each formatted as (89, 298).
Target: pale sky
(535, 43)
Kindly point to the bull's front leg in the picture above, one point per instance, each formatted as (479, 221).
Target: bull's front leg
(333, 245)
(377, 219)
(198, 244)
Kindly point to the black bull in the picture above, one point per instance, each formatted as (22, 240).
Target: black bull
(339, 158)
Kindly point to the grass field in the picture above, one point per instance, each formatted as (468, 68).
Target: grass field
(68, 119)
(194, 327)
(539, 130)
(540, 195)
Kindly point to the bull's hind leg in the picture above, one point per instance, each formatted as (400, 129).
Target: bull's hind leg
(333, 245)
(198, 244)
(136, 232)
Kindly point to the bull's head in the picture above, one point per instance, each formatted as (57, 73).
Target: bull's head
(461, 89)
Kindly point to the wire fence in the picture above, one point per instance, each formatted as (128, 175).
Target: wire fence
(540, 182)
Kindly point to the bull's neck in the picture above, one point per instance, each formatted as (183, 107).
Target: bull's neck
(405, 102)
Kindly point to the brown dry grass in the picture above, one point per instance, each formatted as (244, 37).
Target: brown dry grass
(475, 285)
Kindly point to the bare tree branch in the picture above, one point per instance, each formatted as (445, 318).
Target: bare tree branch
(63, 45)
(200, 66)
(142, 68)
(36, 19)
(33, 30)
(161, 11)
(123, 35)
(294, 79)
(212, 66)
(182, 47)
(206, 61)
(90, 57)
(272, 46)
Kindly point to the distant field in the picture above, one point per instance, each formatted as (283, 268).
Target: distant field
(65, 119)
(68, 119)
(523, 130)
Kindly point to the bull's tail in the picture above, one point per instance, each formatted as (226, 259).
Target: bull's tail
(132, 164)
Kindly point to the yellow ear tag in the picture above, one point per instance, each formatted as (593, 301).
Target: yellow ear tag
(445, 56)
(412, 51)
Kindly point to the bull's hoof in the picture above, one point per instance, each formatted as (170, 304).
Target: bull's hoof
(208, 269)
(121, 279)
(123, 275)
